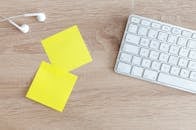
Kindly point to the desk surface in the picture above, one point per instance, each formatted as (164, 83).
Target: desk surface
(101, 99)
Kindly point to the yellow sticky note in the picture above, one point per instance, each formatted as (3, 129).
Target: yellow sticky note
(67, 49)
(51, 86)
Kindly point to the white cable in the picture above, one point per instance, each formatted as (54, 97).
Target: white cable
(6, 19)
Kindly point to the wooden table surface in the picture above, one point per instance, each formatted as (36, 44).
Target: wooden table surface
(101, 99)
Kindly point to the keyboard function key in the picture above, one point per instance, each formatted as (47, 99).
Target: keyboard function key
(156, 25)
(165, 68)
(132, 38)
(150, 74)
(176, 31)
(186, 34)
(166, 28)
(125, 57)
(133, 28)
(135, 20)
(145, 22)
(131, 48)
(184, 73)
(123, 68)
(137, 71)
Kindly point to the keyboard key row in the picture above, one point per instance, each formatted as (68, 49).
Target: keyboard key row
(154, 55)
(151, 73)
(167, 28)
(164, 47)
(162, 36)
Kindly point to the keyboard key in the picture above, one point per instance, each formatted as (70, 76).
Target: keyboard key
(182, 41)
(144, 52)
(173, 60)
(125, 57)
(132, 28)
(145, 23)
(177, 82)
(154, 44)
(136, 60)
(193, 75)
(124, 68)
(142, 31)
(155, 65)
(152, 33)
(192, 55)
(192, 65)
(174, 49)
(184, 73)
(186, 34)
(131, 48)
(163, 57)
(175, 70)
(137, 71)
(154, 55)
(162, 36)
(192, 44)
(156, 25)
(194, 35)
(135, 20)
(132, 38)
(146, 63)
(166, 28)
(149, 74)
(183, 62)
(164, 47)
(176, 31)
(144, 42)
(184, 52)
(172, 39)
(165, 68)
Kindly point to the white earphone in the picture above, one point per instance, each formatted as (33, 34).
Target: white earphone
(41, 17)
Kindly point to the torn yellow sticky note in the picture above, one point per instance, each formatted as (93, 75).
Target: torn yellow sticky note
(67, 49)
(51, 86)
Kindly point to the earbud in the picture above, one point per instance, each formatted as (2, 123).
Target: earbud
(41, 17)
(23, 28)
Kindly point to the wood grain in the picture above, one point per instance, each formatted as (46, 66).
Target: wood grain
(101, 99)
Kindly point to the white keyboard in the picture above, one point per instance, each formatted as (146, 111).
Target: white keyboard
(158, 52)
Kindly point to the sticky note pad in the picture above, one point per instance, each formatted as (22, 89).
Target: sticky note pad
(67, 49)
(51, 86)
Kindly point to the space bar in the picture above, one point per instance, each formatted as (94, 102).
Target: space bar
(177, 82)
